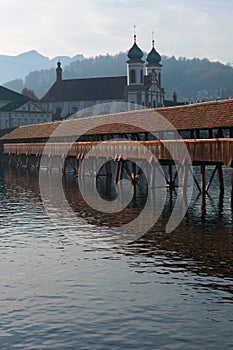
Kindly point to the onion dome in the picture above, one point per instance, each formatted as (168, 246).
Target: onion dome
(153, 57)
(135, 54)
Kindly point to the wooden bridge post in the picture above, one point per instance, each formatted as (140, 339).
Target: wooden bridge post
(185, 167)
(118, 172)
(28, 161)
(49, 163)
(152, 173)
(232, 188)
(37, 161)
(9, 160)
(19, 161)
(220, 177)
(64, 165)
(170, 179)
(133, 173)
(203, 179)
(108, 169)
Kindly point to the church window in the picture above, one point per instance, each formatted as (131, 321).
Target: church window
(159, 78)
(74, 109)
(132, 76)
(58, 113)
(141, 76)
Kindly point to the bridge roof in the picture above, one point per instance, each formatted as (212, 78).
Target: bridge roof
(194, 116)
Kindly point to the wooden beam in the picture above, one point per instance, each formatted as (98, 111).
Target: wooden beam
(211, 179)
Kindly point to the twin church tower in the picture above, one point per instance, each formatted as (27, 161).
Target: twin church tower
(144, 89)
(141, 86)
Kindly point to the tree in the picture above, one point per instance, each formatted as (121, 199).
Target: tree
(29, 93)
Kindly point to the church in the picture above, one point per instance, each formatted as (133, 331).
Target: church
(140, 87)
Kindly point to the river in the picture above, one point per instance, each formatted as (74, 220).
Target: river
(162, 291)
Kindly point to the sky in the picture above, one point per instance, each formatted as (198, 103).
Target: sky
(183, 28)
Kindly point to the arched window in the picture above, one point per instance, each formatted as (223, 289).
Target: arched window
(58, 113)
(132, 76)
(74, 109)
(141, 76)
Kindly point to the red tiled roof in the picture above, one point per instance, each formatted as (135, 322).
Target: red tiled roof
(195, 116)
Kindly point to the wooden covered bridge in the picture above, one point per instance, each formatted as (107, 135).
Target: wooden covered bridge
(206, 129)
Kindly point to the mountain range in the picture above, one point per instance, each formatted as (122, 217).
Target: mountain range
(193, 79)
(18, 67)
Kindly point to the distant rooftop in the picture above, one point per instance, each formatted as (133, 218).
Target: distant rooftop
(12, 99)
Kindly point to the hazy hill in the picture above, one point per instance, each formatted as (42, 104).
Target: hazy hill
(190, 78)
(18, 67)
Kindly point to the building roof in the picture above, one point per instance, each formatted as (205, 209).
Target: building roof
(194, 116)
(11, 106)
(12, 99)
(88, 89)
(9, 95)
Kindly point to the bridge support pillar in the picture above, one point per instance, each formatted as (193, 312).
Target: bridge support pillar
(232, 189)
(203, 179)
(220, 177)
(118, 172)
(185, 179)
(170, 179)
(108, 169)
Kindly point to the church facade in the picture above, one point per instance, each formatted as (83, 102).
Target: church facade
(140, 87)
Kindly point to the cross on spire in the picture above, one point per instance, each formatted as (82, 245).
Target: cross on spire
(153, 38)
(134, 30)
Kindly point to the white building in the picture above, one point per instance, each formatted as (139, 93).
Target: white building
(17, 110)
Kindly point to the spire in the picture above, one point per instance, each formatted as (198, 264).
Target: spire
(59, 71)
(135, 54)
(134, 36)
(153, 57)
(174, 96)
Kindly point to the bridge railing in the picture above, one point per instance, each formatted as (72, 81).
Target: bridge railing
(200, 150)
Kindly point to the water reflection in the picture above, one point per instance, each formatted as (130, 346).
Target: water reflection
(203, 241)
(162, 291)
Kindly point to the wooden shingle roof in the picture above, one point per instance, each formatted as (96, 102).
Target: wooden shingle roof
(195, 116)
